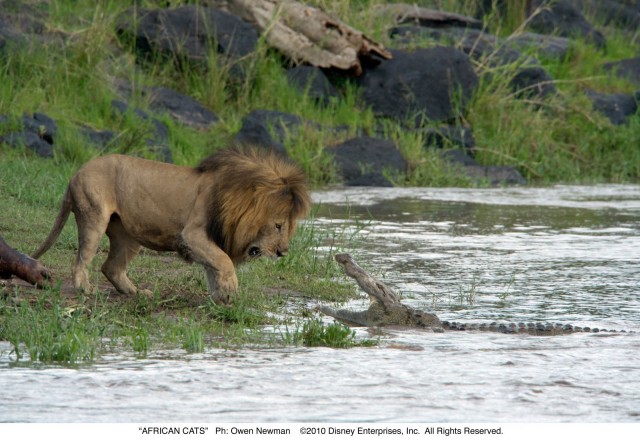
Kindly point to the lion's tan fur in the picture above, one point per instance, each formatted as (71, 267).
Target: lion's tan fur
(234, 206)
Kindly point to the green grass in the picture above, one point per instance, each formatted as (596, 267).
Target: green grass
(314, 333)
(559, 140)
(47, 331)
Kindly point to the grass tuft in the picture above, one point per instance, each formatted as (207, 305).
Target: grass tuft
(47, 332)
(314, 333)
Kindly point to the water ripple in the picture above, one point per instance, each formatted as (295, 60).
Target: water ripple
(568, 254)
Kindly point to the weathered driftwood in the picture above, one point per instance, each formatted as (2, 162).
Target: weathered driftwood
(385, 307)
(404, 13)
(15, 263)
(307, 34)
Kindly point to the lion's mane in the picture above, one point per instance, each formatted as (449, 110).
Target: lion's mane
(247, 185)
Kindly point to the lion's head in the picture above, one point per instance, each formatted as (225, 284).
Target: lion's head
(256, 200)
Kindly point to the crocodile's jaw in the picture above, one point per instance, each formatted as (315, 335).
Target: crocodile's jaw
(379, 316)
(354, 319)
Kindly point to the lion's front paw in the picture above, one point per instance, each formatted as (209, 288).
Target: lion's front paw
(226, 287)
(222, 284)
(146, 293)
(222, 298)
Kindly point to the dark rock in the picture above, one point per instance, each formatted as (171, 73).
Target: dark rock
(370, 179)
(27, 8)
(123, 108)
(41, 125)
(495, 175)
(548, 46)
(22, 24)
(158, 140)
(623, 13)
(258, 126)
(99, 138)
(312, 80)
(559, 17)
(188, 32)
(362, 160)
(270, 129)
(448, 136)
(403, 13)
(12, 31)
(420, 83)
(180, 108)
(477, 44)
(529, 79)
(532, 81)
(459, 157)
(629, 69)
(30, 140)
(37, 134)
(486, 7)
(17, 23)
(612, 12)
(617, 107)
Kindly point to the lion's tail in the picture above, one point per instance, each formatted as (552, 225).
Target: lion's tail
(63, 215)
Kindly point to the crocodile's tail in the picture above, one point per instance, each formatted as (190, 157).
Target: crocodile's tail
(63, 215)
(537, 329)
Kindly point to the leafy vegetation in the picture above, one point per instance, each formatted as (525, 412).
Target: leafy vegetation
(314, 333)
(560, 139)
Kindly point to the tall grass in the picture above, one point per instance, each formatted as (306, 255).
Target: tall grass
(47, 331)
(560, 140)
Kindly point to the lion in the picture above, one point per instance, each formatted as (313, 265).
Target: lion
(237, 205)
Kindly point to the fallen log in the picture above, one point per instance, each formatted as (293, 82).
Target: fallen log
(405, 13)
(307, 34)
(16, 263)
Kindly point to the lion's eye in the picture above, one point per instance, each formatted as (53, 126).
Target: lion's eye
(278, 226)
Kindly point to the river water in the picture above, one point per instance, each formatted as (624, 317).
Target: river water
(562, 254)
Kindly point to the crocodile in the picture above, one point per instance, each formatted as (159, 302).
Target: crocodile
(386, 309)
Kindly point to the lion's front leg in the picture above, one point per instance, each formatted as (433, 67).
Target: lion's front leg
(221, 287)
(221, 274)
(222, 281)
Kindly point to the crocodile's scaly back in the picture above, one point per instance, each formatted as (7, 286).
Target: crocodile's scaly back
(387, 310)
(531, 328)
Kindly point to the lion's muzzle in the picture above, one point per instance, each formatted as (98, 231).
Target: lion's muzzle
(256, 252)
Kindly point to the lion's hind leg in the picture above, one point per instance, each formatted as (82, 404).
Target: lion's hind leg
(91, 228)
(122, 249)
